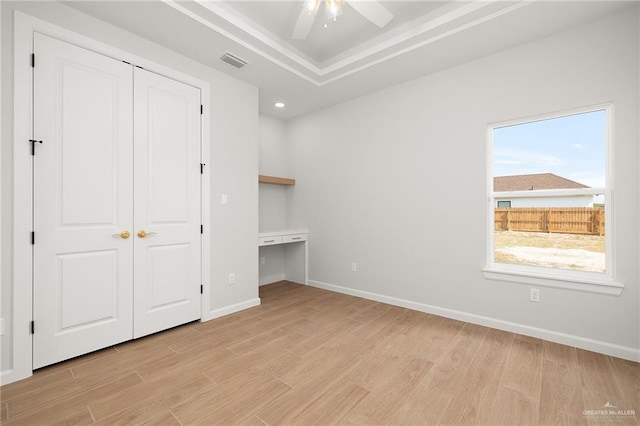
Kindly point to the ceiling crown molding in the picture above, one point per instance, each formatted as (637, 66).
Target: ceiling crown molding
(443, 22)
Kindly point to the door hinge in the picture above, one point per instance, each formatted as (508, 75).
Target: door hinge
(201, 109)
(201, 289)
(33, 143)
(202, 168)
(202, 229)
(32, 327)
(33, 60)
(33, 237)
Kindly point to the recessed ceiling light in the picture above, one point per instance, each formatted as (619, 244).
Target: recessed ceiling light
(279, 105)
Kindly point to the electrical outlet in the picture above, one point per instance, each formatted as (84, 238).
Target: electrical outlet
(232, 278)
(263, 260)
(534, 294)
(354, 267)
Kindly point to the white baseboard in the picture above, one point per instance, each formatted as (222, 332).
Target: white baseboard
(6, 377)
(10, 376)
(606, 348)
(227, 310)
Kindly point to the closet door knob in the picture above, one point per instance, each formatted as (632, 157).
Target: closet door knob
(124, 235)
(142, 233)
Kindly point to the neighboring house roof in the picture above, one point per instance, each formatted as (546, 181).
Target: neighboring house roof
(533, 182)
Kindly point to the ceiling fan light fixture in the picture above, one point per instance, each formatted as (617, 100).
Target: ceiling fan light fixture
(311, 6)
(372, 10)
(333, 8)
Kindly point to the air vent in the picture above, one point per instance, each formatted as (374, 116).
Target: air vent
(233, 60)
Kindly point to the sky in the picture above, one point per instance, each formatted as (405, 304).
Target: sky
(572, 146)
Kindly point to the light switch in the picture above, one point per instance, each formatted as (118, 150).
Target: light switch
(224, 199)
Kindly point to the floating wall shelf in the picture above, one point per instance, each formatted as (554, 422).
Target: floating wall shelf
(276, 180)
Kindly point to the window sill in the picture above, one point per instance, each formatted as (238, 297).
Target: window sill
(598, 285)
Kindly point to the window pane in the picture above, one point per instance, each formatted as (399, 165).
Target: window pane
(572, 147)
(565, 232)
(552, 237)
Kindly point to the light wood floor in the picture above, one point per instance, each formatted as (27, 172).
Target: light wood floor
(312, 357)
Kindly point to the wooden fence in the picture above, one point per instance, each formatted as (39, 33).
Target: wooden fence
(565, 220)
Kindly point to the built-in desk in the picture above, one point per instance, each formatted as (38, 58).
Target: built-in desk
(294, 242)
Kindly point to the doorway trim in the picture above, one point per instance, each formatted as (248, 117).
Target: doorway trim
(22, 286)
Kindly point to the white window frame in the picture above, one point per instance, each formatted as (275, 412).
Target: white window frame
(594, 282)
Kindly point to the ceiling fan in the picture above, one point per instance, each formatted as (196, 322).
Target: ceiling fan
(370, 9)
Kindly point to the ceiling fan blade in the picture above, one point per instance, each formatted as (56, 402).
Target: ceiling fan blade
(373, 11)
(303, 25)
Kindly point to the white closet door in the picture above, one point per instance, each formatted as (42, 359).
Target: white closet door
(167, 203)
(83, 268)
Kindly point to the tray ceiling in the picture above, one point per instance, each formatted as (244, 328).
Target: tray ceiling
(350, 57)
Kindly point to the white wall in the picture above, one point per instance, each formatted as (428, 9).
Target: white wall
(272, 198)
(396, 181)
(3, 310)
(272, 162)
(233, 168)
(272, 159)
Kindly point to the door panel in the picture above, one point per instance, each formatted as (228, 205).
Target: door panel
(83, 276)
(85, 301)
(168, 154)
(167, 203)
(87, 130)
(170, 276)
